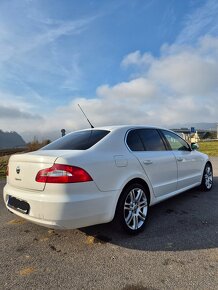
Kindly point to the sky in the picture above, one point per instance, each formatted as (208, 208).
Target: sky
(149, 62)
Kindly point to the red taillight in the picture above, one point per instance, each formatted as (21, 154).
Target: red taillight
(60, 173)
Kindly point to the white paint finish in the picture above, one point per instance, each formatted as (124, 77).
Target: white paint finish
(72, 206)
(190, 167)
(120, 161)
(111, 165)
(161, 169)
(29, 164)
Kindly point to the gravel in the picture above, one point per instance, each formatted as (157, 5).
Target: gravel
(177, 250)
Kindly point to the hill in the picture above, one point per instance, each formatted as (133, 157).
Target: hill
(11, 140)
(198, 126)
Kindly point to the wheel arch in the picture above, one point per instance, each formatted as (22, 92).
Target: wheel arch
(207, 162)
(136, 180)
(203, 185)
(140, 181)
(132, 181)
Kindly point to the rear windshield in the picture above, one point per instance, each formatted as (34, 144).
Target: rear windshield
(81, 140)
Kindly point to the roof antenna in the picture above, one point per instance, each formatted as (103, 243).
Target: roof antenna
(85, 116)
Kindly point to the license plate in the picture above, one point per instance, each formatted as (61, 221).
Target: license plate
(19, 205)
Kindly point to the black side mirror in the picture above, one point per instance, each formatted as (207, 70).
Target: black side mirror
(194, 146)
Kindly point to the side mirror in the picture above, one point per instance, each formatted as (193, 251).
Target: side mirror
(194, 146)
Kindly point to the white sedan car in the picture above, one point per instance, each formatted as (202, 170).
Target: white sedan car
(96, 175)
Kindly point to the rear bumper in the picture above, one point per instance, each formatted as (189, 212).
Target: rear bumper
(65, 206)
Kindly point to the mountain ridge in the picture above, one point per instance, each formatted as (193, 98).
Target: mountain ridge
(10, 140)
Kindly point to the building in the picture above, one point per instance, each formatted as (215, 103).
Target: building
(193, 136)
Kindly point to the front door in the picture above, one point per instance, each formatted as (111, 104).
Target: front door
(189, 163)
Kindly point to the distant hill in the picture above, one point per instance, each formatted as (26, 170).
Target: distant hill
(11, 140)
(198, 126)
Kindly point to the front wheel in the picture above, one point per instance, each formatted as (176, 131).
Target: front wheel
(207, 179)
(132, 209)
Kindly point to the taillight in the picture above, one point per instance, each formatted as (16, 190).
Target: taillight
(60, 173)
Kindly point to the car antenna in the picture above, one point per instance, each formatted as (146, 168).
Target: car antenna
(85, 116)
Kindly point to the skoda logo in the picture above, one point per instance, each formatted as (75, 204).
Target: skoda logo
(18, 169)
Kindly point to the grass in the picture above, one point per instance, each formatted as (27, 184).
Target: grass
(209, 147)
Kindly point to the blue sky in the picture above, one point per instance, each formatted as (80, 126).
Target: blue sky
(125, 61)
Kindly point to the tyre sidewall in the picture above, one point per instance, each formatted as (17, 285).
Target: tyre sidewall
(120, 220)
(203, 185)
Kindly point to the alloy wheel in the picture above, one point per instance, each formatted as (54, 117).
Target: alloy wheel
(135, 209)
(208, 177)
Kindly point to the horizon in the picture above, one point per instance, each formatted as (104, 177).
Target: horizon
(213, 127)
(124, 62)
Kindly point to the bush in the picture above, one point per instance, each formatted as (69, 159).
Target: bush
(35, 144)
(3, 166)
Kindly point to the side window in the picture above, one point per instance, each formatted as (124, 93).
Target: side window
(176, 143)
(151, 140)
(134, 142)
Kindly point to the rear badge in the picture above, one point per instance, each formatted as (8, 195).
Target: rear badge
(18, 169)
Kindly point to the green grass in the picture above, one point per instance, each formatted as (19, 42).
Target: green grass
(209, 148)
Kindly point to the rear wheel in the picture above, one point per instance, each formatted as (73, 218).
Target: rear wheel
(132, 209)
(207, 179)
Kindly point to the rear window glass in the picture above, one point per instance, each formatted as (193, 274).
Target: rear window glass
(151, 140)
(145, 140)
(134, 141)
(77, 141)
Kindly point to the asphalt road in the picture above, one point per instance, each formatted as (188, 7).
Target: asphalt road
(178, 250)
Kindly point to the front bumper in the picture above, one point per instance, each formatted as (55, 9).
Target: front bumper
(65, 206)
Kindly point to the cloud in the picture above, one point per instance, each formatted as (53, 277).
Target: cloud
(177, 87)
(186, 73)
(42, 34)
(134, 90)
(14, 113)
(42, 65)
(201, 22)
(40, 49)
(136, 58)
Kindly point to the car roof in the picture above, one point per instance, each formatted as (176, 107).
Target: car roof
(124, 127)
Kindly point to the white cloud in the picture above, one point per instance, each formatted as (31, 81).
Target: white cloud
(201, 21)
(136, 58)
(135, 90)
(180, 86)
(186, 73)
(16, 44)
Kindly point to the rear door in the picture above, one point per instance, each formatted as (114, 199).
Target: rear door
(158, 163)
(189, 163)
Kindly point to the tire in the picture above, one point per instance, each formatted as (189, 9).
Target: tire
(207, 179)
(132, 209)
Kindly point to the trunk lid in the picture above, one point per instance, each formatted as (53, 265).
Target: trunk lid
(23, 169)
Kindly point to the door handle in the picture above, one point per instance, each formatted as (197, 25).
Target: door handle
(147, 162)
(179, 159)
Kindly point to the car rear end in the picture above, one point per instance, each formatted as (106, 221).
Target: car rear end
(58, 195)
